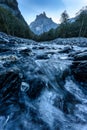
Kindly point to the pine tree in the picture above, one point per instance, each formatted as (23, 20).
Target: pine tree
(64, 17)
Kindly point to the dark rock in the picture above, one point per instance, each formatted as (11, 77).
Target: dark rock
(9, 89)
(36, 119)
(73, 54)
(79, 71)
(26, 52)
(81, 56)
(35, 47)
(66, 103)
(41, 47)
(69, 103)
(4, 50)
(79, 67)
(36, 86)
(66, 49)
(42, 57)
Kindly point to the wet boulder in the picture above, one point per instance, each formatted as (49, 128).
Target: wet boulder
(26, 52)
(66, 102)
(42, 56)
(79, 67)
(10, 82)
(79, 71)
(81, 56)
(69, 103)
(41, 47)
(36, 87)
(11, 58)
(66, 49)
(36, 119)
(3, 49)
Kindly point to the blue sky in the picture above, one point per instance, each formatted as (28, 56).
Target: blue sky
(53, 8)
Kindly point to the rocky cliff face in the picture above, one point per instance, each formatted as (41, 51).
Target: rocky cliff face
(10, 3)
(42, 24)
(12, 6)
(11, 20)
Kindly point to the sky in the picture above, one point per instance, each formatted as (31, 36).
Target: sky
(53, 8)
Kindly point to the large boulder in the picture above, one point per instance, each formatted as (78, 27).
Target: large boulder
(66, 49)
(10, 82)
(79, 67)
(36, 87)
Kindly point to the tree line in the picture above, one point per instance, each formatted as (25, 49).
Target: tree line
(13, 25)
(75, 27)
(67, 28)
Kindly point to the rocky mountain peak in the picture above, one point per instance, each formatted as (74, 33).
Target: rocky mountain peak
(42, 15)
(42, 24)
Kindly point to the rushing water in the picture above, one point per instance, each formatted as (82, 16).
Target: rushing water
(38, 90)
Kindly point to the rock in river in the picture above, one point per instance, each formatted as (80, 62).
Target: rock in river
(10, 82)
(79, 67)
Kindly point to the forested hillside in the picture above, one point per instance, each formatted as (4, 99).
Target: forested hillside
(11, 20)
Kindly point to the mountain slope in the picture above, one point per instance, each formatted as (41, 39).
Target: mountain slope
(42, 24)
(11, 20)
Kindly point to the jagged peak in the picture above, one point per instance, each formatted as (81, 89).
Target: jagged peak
(42, 23)
(42, 15)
